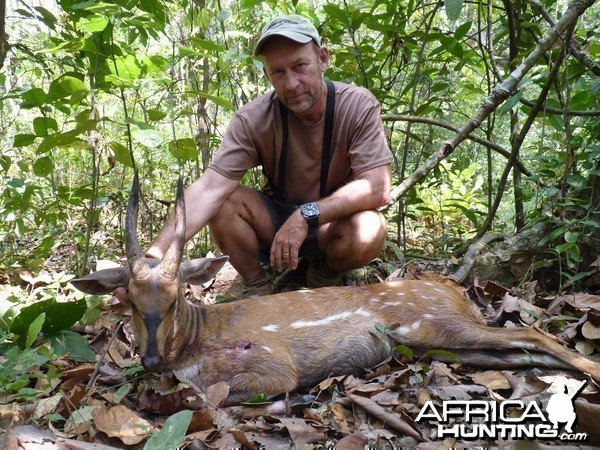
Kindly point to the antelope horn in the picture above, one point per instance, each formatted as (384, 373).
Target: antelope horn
(169, 267)
(139, 268)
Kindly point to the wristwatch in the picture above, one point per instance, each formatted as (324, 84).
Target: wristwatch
(310, 211)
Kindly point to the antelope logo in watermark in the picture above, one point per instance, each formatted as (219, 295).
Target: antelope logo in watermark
(510, 419)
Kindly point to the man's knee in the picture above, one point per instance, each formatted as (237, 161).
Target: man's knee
(360, 237)
(237, 205)
(371, 227)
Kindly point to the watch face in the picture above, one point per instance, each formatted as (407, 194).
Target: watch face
(309, 209)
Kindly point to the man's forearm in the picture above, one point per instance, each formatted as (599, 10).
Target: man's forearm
(203, 198)
(370, 191)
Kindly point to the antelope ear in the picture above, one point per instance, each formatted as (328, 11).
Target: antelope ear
(201, 270)
(103, 281)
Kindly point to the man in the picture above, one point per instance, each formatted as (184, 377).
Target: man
(329, 217)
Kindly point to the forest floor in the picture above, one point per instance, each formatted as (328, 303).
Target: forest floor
(114, 404)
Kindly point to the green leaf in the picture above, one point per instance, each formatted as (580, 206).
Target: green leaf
(126, 67)
(92, 24)
(43, 166)
(121, 153)
(23, 140)
(59, 316)
(156, 114)
(462, 30)
(41, 125)
(35, 97)
(218, 100)
(442, 353)
(5, 162)
(146, 135)
(258, 399)
(564, 247)
(405, 351)
(71, 344)
(208, 45)
(577, 181)
(66, 85)
(571, 236)
(188, 51)
(511, 102)
(34, 329)
(184, 149)
(595, 88)
(172, 433)
(453, 9)
(48, 18)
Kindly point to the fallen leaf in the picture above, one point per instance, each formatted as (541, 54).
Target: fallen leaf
(492, 379)
(46, 406)
(590, 331)
(121, 422)
(216, 393)
(389, 418)
(80, 421)
(304, 431)
(585, 347)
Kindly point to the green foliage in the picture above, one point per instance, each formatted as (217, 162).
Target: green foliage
(172, 433)
(96, 87)
(19, 366)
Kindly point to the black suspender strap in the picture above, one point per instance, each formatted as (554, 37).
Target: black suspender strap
(283, 156)
(326, 152)
(326, 155)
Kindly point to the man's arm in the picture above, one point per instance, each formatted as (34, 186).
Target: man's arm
(203, 198)
(369, 190)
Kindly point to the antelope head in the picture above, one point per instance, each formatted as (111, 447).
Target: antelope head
(155, 286)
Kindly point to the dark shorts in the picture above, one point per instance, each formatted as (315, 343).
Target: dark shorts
(279, 212)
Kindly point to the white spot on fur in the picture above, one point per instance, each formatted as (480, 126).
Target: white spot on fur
(190, 372)
(330, 319)
(269, 349)
(403, 330)
(416, 325)
(392, 303)
(272, 327)
(428, 316)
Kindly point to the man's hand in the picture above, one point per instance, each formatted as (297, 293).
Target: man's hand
(286, 245)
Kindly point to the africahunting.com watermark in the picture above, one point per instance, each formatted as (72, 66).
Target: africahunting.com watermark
(508, 420)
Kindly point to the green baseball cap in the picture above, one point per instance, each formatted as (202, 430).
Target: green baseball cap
(294, 27)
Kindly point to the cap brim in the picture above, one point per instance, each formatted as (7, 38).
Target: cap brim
(298, 37)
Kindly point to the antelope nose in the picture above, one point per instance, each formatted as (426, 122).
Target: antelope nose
(152, 363)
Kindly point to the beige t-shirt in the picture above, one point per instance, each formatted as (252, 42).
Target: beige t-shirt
(254, 138)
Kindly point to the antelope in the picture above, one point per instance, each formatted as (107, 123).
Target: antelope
(284, 342)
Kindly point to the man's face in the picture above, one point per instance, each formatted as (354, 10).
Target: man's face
(296, 72)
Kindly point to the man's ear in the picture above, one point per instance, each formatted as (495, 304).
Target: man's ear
(199, 271)
(104, 281)
(324, 58)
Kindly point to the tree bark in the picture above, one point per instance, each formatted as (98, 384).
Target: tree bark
(3, 40)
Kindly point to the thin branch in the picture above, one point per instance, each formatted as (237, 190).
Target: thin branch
(439, 123)
(585, 60)
(560, 112)
(498, 95)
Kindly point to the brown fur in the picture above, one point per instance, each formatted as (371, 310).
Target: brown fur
(284, 342)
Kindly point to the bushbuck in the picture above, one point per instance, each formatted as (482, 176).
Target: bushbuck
(288, 341)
